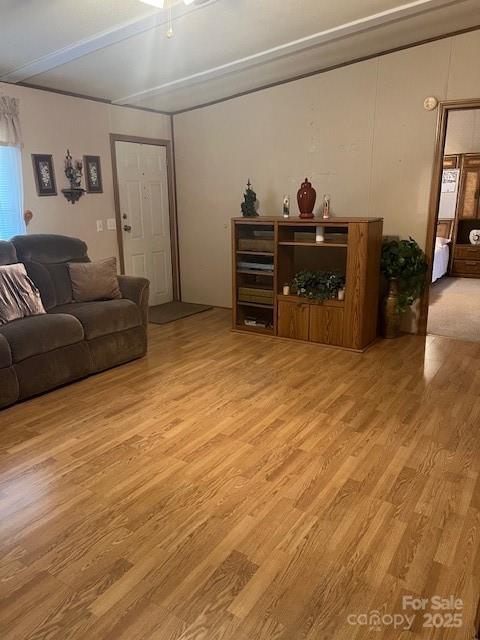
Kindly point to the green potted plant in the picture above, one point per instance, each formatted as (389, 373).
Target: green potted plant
(318, 285)
(404, 265)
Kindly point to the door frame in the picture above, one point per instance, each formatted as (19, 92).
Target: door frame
(172, 208)
(444, 108)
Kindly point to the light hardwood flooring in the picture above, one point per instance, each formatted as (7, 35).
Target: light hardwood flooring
(238, 487)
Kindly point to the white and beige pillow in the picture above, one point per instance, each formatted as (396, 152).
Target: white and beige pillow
(19, 297)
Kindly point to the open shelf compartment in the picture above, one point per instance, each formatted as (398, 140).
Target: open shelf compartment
(254, 277)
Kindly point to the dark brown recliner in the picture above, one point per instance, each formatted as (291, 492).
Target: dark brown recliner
(73, 339)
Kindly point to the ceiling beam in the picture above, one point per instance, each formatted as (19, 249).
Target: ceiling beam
(339, 32)
(96, 42)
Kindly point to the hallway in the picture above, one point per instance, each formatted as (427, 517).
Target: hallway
(455, 308)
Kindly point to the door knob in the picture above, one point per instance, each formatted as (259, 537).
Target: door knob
(127, 227)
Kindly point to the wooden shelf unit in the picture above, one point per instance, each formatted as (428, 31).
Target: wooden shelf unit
(320, 245)
(465, 257)
(254, 272)
(255, 253)
(352, 246)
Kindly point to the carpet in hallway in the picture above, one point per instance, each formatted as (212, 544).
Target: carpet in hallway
(455, 308)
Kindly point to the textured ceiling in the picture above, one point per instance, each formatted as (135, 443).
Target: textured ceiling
(118, 49)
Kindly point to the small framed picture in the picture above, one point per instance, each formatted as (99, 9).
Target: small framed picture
(44, 174)
(93, 174)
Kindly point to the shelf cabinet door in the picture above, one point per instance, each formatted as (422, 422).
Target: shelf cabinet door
(451, 161)
(293, 320)
(469, 189)
(326, 325)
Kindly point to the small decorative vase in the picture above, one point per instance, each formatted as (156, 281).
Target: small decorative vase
(475, 236)
(391, 314)
(306, 197)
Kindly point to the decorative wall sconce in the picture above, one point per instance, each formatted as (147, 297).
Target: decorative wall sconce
(73, 171)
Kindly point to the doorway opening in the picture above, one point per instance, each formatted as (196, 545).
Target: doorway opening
(451, 304)
(145, 210)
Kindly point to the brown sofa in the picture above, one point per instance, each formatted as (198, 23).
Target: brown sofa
(72, 340)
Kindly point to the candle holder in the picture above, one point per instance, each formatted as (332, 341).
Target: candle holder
(73, 172)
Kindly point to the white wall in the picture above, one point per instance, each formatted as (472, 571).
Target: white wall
(359, 132)
(51, 123)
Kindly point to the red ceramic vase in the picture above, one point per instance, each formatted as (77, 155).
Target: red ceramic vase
(306, 197)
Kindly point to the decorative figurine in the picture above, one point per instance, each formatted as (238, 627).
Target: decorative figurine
(249, 207)
(306, 197)
(27, 216)
(474, 236)
(326, 206)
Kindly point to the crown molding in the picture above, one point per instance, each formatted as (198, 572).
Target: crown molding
(339, 32)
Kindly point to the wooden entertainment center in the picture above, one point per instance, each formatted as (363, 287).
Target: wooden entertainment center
(269, 251)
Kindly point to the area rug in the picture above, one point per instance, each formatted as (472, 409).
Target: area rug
(171, 311)
(455, 308)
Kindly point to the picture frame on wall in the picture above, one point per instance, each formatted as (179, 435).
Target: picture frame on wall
(44, 174)
(93, 174)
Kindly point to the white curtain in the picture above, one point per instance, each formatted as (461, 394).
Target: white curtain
(11, 180)
(10, 132)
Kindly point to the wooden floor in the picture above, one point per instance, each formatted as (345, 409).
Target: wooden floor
(244, 488)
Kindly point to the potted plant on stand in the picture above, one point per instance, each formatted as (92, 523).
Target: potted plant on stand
(404, 265)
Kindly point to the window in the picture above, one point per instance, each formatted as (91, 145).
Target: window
(11, 192)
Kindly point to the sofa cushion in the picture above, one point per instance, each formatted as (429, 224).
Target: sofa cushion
(39, 334)
(93, 281)
(103, 317)
(49, 249)
(62, 284)
(53, 282)
(40, 276)
(5, 353)
(8, 254)
(51, 253)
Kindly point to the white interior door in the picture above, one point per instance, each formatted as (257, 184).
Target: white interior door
(143, 191)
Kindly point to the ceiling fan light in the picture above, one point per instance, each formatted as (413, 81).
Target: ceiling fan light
(155, 3)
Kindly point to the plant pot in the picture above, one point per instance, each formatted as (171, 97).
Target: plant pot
(390, 311)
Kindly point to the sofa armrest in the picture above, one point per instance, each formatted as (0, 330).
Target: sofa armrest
(136, 290)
